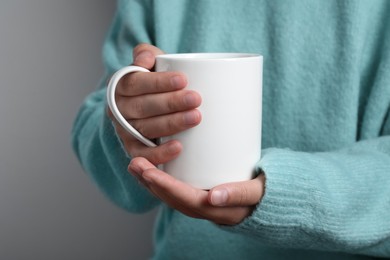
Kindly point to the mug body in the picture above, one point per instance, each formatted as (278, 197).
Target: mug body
(226, 145)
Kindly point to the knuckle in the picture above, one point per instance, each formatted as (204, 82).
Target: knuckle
(122, 134)
(140, 47)
(158, 81)
(130, 149)
(243, 195)
(137, 109)
(155, 158)
(236, 216)
(171, 125)
(231, 222)
(172, 104)
(140, 126)
(131, 82)
(134, 148)
(127, 85)
(137, 125)
(225, 219)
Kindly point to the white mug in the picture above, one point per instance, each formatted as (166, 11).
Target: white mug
(226, 145)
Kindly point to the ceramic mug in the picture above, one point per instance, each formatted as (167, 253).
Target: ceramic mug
(226, 145)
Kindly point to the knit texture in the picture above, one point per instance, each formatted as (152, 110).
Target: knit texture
(326, 125)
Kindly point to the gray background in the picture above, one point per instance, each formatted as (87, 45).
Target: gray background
(50, 58)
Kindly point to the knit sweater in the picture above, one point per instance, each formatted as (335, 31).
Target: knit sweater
(326, 125)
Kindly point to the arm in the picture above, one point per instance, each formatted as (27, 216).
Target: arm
(333, 201)
(103, 158)
(330, 201)
(157, 105)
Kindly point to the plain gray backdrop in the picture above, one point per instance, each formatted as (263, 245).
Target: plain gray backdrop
(50, 59)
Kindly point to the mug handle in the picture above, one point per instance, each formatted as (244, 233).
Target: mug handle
(112, 104)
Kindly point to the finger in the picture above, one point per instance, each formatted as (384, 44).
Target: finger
(228, 215)
(180, 196)
(161, 154)
(152, 178)
(144, 55)
(172, 190)
(158, 104)
(169, 202)
(139, 83)
(190, 201)
(168, 125)
(246, 193)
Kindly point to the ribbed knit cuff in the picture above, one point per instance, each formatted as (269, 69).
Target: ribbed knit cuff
(328, 201)
(287, 202)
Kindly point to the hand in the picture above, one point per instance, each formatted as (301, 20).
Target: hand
(157, 105)
(226, 204)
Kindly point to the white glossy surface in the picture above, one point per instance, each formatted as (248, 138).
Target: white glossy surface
(227, 143)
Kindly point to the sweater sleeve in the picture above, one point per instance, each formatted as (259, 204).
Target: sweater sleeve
(332, 201)
(93, 136)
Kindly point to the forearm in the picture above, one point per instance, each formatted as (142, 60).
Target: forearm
(103, 158)
(333, 201)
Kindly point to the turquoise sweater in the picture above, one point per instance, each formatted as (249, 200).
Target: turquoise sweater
(326, 125)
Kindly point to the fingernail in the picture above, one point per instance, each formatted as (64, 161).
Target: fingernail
(190, 100)
(140, 58)
(173, 148)
(191, 118)
(219, 197)
(178, 82)
(135, 169)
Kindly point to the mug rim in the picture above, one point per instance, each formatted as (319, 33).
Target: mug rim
(199, 56)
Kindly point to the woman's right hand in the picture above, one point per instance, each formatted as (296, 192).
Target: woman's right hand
(157, 105)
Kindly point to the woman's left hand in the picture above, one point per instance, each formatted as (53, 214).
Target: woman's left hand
(225, 204)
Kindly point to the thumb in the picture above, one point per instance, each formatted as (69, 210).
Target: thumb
(145, 55)
(246, 193)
